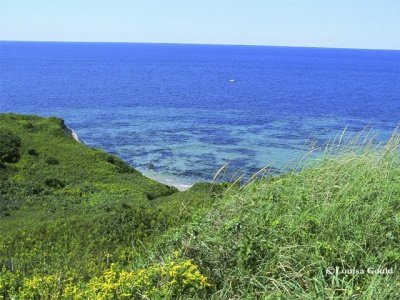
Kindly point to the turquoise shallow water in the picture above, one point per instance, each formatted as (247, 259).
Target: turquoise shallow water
(179, 112)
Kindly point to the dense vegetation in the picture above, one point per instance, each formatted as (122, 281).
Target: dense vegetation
(78, 223)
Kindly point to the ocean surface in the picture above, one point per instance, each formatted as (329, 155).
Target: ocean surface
(179, 112)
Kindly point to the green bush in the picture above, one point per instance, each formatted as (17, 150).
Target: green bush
(30, 127)
(33, 152)
(52, 161)
(55, 183)
(10, 145)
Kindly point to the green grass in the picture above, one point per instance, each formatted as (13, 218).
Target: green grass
(276, 237)
(273, 238)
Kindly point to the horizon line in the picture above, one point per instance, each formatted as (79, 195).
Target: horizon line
(199, 44)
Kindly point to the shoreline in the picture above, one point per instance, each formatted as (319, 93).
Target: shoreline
(159, 177)
(181, 187)
(73, 134)
(166, 179)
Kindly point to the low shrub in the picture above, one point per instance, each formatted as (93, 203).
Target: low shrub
(55, 183)
(52, 161)
(33, 152)
(10, 145)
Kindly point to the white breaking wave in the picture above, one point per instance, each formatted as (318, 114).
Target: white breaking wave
(74, 135)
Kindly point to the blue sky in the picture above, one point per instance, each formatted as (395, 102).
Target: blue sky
(318, 23)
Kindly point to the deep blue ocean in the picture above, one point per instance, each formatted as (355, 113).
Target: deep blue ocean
(179, 112)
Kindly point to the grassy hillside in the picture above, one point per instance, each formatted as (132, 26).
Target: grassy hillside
(276, 238)
(71, 209)
(78, 223)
